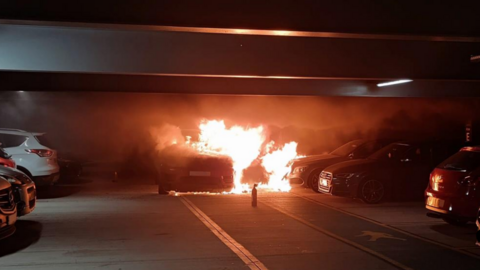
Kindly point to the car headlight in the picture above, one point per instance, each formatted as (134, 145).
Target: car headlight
(12, 180)
(345, 175)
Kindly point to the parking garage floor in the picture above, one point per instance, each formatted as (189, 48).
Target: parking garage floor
(106, 225)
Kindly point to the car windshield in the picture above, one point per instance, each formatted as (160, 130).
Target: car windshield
(391, 151)
(461, 161)
(347, 148)
(43, 140)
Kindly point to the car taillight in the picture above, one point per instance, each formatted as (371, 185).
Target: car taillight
(469, 181)
(40, 152)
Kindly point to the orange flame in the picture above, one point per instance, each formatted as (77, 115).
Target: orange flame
(244, 145)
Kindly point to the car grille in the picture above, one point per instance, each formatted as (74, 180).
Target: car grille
(7, 200)
(328, 177)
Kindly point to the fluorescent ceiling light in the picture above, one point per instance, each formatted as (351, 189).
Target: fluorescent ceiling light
(393, 82)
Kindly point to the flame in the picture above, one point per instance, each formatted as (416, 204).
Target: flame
(245, 145)
(242, 145)
(277, 164)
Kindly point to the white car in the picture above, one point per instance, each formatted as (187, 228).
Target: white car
(31, 155)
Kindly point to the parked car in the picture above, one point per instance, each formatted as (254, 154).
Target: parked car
(8, 209)
(453, 192)
(307, 170)
(31, 155)
(24, 190)
(397, 171)
(179, 170)
(5, 159)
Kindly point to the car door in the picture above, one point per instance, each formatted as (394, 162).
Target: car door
(413, 172)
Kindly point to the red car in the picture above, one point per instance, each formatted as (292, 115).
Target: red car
(453, 193)
(6, 160)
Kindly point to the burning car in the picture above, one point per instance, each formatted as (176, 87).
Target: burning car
(181, 169)
(399, 170)
(307, 170)
(453, 192)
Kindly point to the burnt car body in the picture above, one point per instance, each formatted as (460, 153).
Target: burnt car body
(24, 190)
(185, 171)
(8, 209)
(5, 159)
(453, 192)
(307, 170)
(398, 171)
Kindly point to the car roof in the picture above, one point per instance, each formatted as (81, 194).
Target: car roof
(19, 132)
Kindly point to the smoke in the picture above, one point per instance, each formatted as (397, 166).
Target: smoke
(98, 126)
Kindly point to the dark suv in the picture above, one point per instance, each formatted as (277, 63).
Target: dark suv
(307, 170)
(399, 170)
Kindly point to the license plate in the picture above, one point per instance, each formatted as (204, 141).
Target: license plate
(199, 173)
(435, 202)
(11, 219)
(324, 182)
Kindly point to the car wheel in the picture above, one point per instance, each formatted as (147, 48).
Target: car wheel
(313, 180)
(371, 191)
(455, 222)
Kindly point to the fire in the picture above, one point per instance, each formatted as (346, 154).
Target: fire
(244, 145)
(241, 144)
(277, 164)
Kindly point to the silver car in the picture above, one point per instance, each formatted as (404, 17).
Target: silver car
(23, 188)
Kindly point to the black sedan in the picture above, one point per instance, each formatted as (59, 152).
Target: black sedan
(307, 170)
(398, 171)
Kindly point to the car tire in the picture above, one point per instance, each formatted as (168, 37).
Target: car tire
(313, 180)
(455, 222)
(371, 191)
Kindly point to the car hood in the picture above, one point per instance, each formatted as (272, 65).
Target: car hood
(318, 159)
(14, 173)
(353, 166)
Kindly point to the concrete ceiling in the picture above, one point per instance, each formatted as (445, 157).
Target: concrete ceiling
(314, 58)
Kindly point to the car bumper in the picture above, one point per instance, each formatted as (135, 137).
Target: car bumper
(296, 178)
(46, 180)
(454, 207)
(26, 197)
(336, 187)
(185, 182)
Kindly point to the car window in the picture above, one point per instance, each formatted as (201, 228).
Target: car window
(10, 140)
(367, 149)
(395, 151)
(43, 140)
(463, 160)
(347, 148)
(418, 154)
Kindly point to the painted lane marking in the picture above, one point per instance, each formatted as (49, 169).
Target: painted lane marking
(251, 261)
(339, 238)
(374, 236)
(388, 226)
